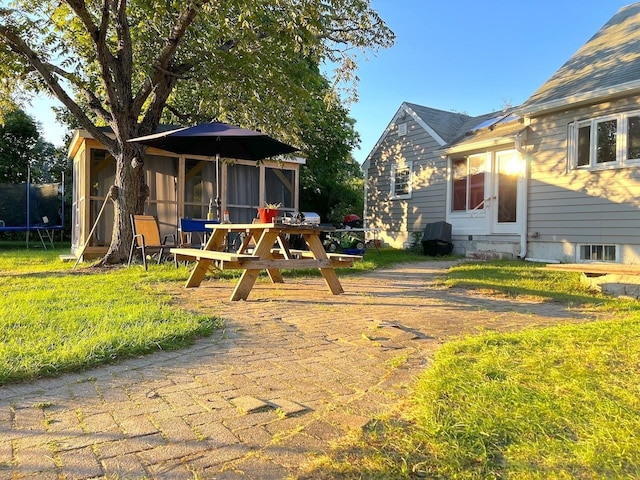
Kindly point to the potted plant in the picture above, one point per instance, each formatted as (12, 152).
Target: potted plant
(269, 212)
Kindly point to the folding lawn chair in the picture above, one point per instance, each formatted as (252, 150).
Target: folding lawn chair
(146, 237)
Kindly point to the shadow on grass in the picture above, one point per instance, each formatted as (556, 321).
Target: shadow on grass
(548, 295)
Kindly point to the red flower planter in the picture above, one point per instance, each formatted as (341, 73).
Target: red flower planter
(267, 215)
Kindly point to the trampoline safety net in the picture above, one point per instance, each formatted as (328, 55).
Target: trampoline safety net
(44, 203)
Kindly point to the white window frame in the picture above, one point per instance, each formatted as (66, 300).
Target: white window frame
(580, 246)
(402, 129)
(485, 169)
(394, 173)
(621, 159)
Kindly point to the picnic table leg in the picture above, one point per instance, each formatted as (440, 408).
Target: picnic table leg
(275, 275)
(215, 242)
(248, 277)
(329, 274)
(263, 250)
(244, 285)
(198, 273)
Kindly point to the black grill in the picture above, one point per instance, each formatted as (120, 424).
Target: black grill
(436, 240)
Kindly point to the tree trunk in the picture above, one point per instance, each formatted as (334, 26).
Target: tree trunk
(128, 198)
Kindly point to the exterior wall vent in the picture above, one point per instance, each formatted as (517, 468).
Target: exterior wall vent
(402, 129)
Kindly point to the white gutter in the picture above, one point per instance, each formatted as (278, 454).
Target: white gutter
(525, 196)
(482, 144)
(576, 100)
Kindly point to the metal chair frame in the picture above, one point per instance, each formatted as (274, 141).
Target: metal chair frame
(146, 236)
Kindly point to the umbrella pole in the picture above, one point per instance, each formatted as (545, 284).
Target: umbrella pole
(218, 186)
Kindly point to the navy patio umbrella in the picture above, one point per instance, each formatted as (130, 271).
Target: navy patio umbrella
(220, 140)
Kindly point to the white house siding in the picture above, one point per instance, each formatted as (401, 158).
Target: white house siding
(401, 221)
(568, 207)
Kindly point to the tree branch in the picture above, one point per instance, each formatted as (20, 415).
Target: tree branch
(125, 51)
(94, 101)
(81, 11)
(21, 48)
(162, 64)
(161, 93)
(106, 60)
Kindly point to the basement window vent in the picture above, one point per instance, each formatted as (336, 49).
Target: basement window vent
(598, 253)
(402, 129)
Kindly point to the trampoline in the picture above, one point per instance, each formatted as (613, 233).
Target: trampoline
(29, 208)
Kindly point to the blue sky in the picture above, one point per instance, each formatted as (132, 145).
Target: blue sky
(470, 56)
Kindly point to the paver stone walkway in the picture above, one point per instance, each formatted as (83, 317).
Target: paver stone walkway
(293, 369)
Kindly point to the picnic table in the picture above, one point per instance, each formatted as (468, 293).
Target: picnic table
(265, 247)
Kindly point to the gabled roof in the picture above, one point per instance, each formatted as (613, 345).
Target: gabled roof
(445, 124)
(488, 131)
(441, 125)
(607, 65)
(457, 131)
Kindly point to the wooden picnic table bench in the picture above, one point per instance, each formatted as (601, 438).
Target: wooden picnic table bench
(252, 258)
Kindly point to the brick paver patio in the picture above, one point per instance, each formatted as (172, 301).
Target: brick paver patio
(293, 369)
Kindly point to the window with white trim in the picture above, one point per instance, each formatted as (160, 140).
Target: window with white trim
(401, 180)
(605, 142)
(467, 183)
(402, 129)
(597, 253)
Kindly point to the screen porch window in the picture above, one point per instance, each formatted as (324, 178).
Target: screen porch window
(243, 192)
(280, 187)
(468, 179)
(200, 187)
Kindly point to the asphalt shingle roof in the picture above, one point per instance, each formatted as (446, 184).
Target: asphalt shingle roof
(455, 127)
(444, 123)
(609, 59)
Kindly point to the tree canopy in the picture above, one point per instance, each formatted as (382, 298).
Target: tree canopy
(332, 183)
(131, 64)
(24, 152)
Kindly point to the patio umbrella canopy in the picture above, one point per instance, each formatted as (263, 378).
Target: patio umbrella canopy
(217, 139)
(220, 140)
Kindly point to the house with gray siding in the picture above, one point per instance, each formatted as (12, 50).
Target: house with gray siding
(556, 179)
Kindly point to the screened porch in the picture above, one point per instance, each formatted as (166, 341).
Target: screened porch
(179, 187)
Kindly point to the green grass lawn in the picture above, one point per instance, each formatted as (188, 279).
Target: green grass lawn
(553, 403)
(54, 319)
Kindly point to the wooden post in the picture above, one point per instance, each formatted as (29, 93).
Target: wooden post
(110, 195)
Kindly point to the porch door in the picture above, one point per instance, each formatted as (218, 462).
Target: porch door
(506, 192)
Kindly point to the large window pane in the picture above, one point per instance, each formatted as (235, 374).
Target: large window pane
(476, 182)
(633, 139)
(243, 192)
(162, 177)
(199, 187)
(584, 145)
(402, 181)
(607, 133)
(507, 189)
(459, 190)
(468, 183)
(103, 174)
(280, 187)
